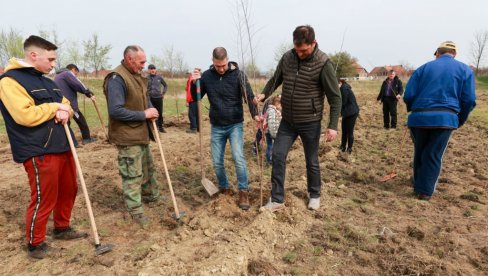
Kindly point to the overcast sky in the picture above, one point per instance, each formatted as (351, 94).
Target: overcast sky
(377, 32)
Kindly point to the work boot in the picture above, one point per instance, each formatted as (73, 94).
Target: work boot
(226, 191)
(141, 219)
(244, 200)
(68, 234)
(40, 251)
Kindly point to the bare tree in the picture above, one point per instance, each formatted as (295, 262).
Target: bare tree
(96, 55)
(246, 32)
(157, 61)
(73, 54)
(11, 45)
(478, 48)
(174, 61)
(281, 50)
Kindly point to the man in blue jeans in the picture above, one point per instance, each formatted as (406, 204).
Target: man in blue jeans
(439, 96)
(308, 77)
(226, 87)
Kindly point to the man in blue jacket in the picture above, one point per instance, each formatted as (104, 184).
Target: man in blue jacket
(226, 86)
(67, 81)
(439, 96)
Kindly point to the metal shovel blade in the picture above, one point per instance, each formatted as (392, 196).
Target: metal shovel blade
(209, 186)
(389, 176)
(181, 215)
(102, 249)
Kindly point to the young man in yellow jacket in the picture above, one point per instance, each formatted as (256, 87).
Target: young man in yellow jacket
(34, 112)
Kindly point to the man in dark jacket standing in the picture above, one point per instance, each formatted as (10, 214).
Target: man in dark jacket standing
(67, 81)
(226, 86)
(390, 92)
(308, 77)
(154, 89)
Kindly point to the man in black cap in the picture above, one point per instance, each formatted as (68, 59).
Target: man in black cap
(155, 94)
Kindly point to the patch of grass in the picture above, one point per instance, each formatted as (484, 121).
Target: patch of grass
(290, 257)
(475, 207)
(468, 213)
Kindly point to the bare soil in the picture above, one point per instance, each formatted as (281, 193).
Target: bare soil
(364, 227)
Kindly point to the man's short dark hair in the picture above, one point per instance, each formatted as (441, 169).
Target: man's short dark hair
(303, 34)
(71, 66)
(39, 42)
(219, 53)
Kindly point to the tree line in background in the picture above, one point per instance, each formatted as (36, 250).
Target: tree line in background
(93, 56)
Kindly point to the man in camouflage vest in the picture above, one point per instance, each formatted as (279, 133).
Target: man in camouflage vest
(130, 112)
(308, 77)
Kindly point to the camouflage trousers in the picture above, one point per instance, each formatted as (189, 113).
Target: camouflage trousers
(136, 167)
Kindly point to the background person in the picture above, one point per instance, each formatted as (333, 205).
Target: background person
(302, 98)
(156, 95)
(390, 92)
(191, 101)
(273, 120)
(66, 79)
(224, 85)
(349, 113)
(439, 96)
(130, 130)
(34, 111)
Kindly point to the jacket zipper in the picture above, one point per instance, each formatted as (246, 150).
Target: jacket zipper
(49, 137)
(293, 90)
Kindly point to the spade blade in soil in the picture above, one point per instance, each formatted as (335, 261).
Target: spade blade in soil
(102, 249)
(209, 186)
(389, 176)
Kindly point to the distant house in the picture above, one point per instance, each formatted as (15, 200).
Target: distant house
(1, 70)
(382, 71)
(361, 72)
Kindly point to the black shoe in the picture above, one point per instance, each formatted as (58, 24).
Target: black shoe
(342, 148)
(40, 251)
(349, 150)
(191, 130)
(68, 234)
(88, 140)
(162, 130)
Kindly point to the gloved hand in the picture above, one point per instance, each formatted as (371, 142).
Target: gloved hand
(88, 93)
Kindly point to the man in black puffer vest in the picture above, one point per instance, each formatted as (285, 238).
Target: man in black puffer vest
(308, 77)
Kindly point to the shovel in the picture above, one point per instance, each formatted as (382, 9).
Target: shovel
(392, 174)
(99, 248)
(177, 215)
(207, 184)
(100, 117)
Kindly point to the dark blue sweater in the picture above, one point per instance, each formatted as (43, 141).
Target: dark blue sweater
(225, 94)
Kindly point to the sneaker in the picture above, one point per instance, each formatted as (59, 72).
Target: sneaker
(141, 219)
(272, 206)
(314, 203)
(226, 191)
(68, 234)
(244, 200)
(40, 251)
(88, 140)
(162, 130)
